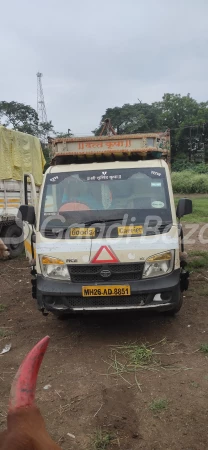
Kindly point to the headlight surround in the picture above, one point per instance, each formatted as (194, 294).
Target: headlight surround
(54, 268)
(159, 264)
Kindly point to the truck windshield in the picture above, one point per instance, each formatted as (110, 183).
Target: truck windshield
(85, 196)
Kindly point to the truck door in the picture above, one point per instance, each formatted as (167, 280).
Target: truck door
(29, 198)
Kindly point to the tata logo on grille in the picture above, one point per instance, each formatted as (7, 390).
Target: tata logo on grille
(105, 273)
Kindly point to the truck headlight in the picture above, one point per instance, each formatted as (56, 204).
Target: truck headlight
(54, 268)
(159, 264)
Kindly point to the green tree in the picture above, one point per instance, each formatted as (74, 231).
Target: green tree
(63, 135)
(130, 119)
(44, 130)
(178, 111)
(186, 118)
(23, 118)
(19, 116)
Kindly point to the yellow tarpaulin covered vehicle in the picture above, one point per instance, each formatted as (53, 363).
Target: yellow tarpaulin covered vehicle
(20, 153)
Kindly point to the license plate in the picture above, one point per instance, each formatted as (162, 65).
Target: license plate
(105, 291)
(82, 232)
(136, 230)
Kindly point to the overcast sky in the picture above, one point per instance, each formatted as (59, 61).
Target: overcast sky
(97, 54)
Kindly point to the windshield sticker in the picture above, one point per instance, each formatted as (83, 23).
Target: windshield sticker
(158, 204)
(158, 174)
(130, 231)
(103, 177)
(156, 184)
(82, 232)
(54, 179)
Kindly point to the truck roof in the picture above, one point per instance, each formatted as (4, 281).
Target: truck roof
(108, 148)
(107, 165)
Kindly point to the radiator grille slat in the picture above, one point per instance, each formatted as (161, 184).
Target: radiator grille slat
(83, 302)
(91, 273)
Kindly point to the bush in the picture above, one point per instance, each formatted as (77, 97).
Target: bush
(179, 165)
(189, 182)
(201, 168)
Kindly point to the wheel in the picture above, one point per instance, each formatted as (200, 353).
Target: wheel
(176, 308)
(13, 240)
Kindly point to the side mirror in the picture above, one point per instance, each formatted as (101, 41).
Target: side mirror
(184, 207)
(26, 213)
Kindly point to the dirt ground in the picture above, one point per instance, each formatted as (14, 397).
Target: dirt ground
(162, 406)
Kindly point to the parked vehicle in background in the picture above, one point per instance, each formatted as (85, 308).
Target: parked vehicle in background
(19, 153)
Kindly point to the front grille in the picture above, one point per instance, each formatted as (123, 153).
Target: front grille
(84, 302)
(119, 272)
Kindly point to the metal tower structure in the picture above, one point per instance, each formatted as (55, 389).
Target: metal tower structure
(41, 108)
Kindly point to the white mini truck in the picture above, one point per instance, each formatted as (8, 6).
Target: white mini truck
(104, 235)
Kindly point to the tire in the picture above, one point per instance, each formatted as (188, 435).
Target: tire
(13, 240)
(176, 308)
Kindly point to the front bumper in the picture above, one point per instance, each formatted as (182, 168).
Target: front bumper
(61, 297)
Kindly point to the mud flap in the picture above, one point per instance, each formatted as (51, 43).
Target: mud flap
(184, 280)
(34, 290)
(34, 283)
(181, 236)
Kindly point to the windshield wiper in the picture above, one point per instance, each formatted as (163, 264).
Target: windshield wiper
(57, 230)
(52, 231)
(91, 222)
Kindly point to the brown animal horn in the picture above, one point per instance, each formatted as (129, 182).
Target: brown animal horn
(22, 392)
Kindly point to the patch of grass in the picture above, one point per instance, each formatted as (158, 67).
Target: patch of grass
(198, 260)
(194, 384)
(126, 359)
(2, 307)
(158, 405)
(202, 290)
(139, 354)
(200, 209)
(3, 333)
(204, 348)
(101, 440)
(132, 358)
